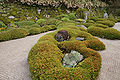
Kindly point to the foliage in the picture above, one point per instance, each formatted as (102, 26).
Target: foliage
(65, 19)
(46, 56)
(41, 22)
(108, 33)
(2, 25)
(67, 3)
(13, 34)
(107, 22)
(24, 23)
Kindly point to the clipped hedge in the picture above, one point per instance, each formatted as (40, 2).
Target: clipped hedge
(2, 25)
(107, 22)
(13, 34)
(38, 30)
(46, 56)
(94, 24)
(24, 23)
(108, 33)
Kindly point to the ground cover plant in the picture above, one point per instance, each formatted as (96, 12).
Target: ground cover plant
(46, 56)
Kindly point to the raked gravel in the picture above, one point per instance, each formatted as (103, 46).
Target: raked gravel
(13, 58)
(110, 59)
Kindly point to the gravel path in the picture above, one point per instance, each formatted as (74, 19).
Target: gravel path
(13, 58)
(110, 59)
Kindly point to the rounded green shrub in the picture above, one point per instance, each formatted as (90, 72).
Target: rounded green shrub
(45, 58)
(112, 19)
(90, 21)
(94, 18)
(41, 22)
(100, 25)
(13, 34)
(111, 33)
(24, 23)
(107, 22)
(34, 30)
(18, 33)
(108, 33)
(65, 19)
(2, 25)
(72, 16)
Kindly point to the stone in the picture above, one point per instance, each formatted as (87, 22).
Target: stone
(80, 38)
(82, 26)
(39, 11)
(11, 17)
(72, 59)
(105, 15)
(59, 37)
(86, 13)
(62, 35)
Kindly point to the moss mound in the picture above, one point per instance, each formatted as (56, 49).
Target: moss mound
(46, 56)
(108, 33)
(107, 22)
(13, 34)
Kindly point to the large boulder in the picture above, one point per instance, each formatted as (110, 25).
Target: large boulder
(62, 35)
(72, 59)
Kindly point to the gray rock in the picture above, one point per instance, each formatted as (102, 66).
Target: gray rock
(82, 26)
(80, 38)
(39, 11)
(72, 59)
(11, 17)
(105, 15)
(86, 13)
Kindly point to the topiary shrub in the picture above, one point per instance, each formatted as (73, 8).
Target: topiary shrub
(108, 33)
(100, 25)
(2, 25)
(13, 34)
(111, 33)
(53, 21)
(107, 22)
(94, 18)
(24, 23)
(112, 19)
(18, 33)
(118, 20)
(45, 58)
(89, 21)
(41, 22)
(35, 30)
(72, 16)
(65, 19)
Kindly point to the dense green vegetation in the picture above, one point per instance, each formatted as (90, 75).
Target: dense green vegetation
(45, 57)
(31, 17)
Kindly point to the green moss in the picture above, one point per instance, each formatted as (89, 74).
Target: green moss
(24, 23)
(107, 22)
(108, 33)
(45, 57)
(2, 25)
(13, 34)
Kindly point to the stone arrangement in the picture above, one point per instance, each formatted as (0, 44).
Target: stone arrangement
(71, 59)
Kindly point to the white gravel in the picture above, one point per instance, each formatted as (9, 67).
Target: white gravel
(13, 58)
(110, 59)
